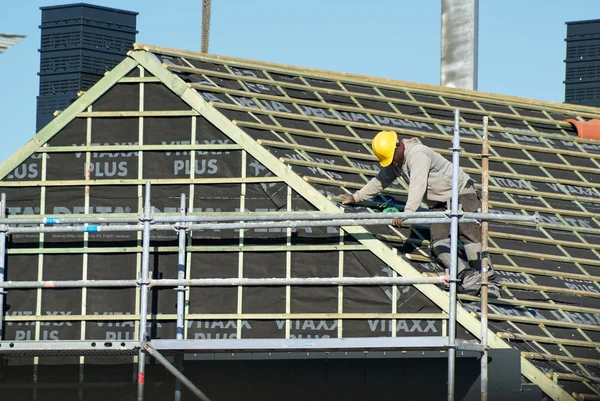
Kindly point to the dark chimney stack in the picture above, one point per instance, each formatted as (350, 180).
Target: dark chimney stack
(80, 42)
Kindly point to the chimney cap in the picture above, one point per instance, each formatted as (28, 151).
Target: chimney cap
(75, 5)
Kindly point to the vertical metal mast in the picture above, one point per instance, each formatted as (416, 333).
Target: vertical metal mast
(459, 43)
(180, 293)
(146, 219)
(3, 229)
(453, 257)
(484, 260)
(205, 25)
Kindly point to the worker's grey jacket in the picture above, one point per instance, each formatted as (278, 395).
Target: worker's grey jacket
(428, 174)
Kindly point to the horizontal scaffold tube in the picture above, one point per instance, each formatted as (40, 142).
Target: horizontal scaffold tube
(249, 217)
(316, 223)
(225, 282)
(253, 224)
(70, 220)
(444, 216)
(225, 226)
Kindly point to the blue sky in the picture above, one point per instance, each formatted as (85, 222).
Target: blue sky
(521, 42)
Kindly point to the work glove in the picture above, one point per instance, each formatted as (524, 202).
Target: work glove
(398, 222)
(348, 199)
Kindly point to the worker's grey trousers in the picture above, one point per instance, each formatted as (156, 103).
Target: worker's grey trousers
(468, 233)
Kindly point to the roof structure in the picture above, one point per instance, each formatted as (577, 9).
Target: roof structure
(240, 134)
(8, 40)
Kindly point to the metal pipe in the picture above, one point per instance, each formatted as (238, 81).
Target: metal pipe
(253, 216)
(68, 220)
(144, 293)
(315, 220)
(2, 261)
(484, 259)
(80, 229)
(453, 257)
(533, 218)
(224, 282)
(248, 217)
(215, 217)
(180, 294)
(161, 359)
(312, 223)
(227, 226)
(261, 224)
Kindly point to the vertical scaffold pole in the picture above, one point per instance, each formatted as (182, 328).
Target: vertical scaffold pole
(453, 256)
(2, 262)
(146, 218)
(180, 295)
(484, 260)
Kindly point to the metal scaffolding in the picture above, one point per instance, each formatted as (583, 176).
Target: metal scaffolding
(184, 224)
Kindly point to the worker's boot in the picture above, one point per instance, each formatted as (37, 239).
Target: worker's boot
(441, 249)
(494, 286)
(473, 252)
(470, 281)
(493, 290)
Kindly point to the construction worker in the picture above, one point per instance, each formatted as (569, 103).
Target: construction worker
(429, 176)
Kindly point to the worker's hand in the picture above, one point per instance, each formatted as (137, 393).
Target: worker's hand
(348, 199)
(398, 222)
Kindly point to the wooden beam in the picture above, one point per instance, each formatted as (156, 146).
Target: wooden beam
(228, 316)
(136, 148)
(550, 273)
(542, 322)
(546, 288)
(155, 181)
(538, 240)
(541, 209)
(548, 340)
(534, 304)
(563, 358)
(137, 80)
(543, 256)
(191, 248)
(157, 113)
(573, 377)
(586, 397)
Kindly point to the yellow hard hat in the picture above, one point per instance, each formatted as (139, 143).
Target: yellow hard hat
(384, 145)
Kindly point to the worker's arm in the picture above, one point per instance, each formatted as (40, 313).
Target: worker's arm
(381, 181)
(418, 166)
